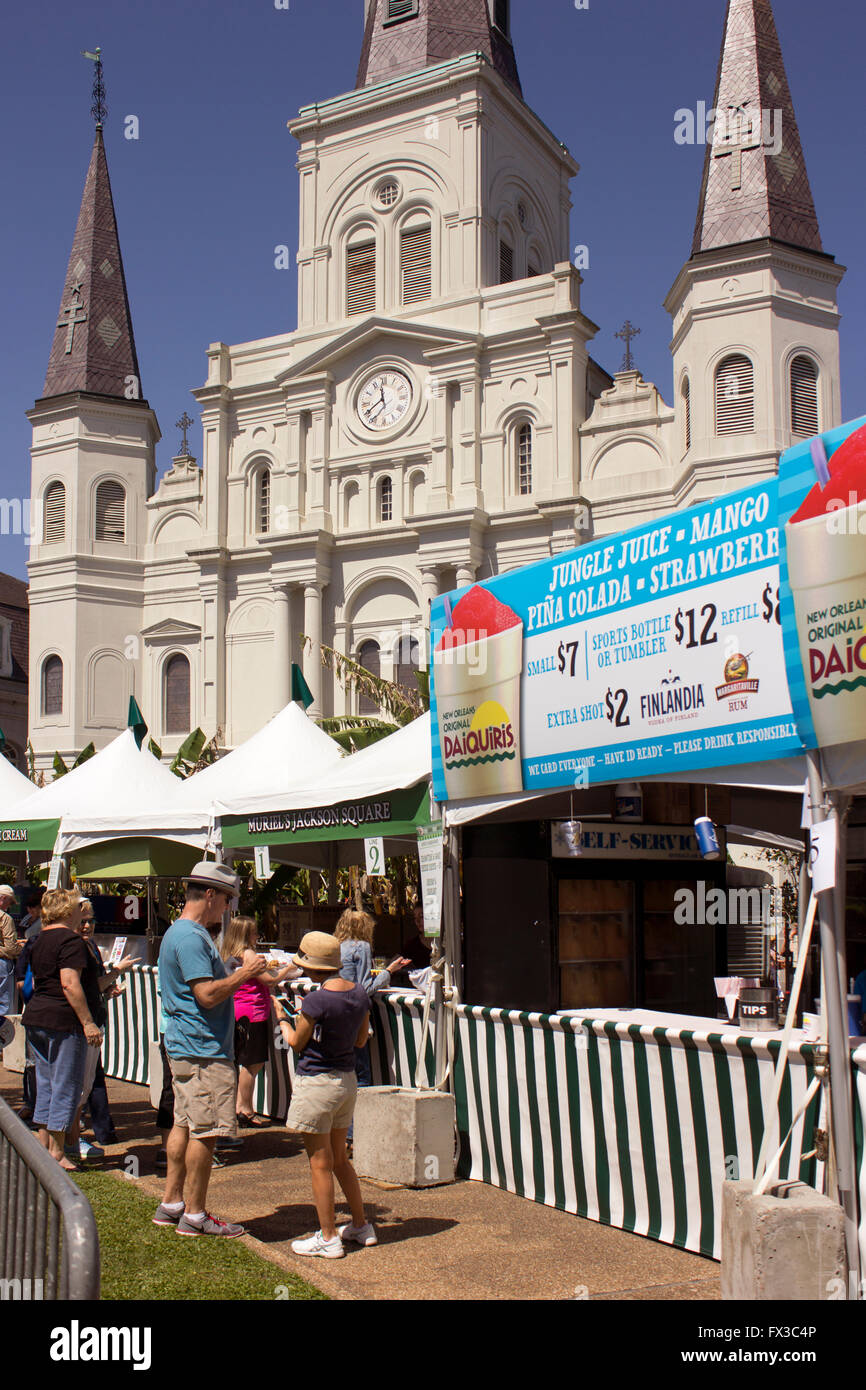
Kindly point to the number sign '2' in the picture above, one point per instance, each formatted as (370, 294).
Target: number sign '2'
(375, 852)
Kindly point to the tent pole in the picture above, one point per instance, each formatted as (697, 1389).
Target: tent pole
(831, 908)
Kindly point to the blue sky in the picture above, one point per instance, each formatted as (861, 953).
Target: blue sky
(210, 188)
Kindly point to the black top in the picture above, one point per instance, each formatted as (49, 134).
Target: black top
(55, 949)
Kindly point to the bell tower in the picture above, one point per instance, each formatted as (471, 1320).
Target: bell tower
(756, 324)
(92, 470)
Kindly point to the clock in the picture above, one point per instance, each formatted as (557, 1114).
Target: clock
(384, 400)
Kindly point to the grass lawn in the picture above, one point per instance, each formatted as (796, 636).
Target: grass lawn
(140, 1260)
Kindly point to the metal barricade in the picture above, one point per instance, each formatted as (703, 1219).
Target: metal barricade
(49, 1245)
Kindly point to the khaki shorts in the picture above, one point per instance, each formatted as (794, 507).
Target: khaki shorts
(205, 1095)
(322, 1103)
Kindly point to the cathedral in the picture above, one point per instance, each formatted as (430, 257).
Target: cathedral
(435, 418)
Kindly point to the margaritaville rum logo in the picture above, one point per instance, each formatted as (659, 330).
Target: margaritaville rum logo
(737, 683)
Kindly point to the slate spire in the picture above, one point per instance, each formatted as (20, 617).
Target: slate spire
(755, 183)
(403, 36)
(93, 348)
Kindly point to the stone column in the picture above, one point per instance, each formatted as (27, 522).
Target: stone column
(282, 647)
(465, 575)
(429, 586)
(312, 653)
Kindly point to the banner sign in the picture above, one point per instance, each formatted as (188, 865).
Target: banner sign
(431, 865)
(33, 835)
(397, 813)
(374, 856)
(670, 647)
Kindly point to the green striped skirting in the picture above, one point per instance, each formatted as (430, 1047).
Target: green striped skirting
(633, 1126)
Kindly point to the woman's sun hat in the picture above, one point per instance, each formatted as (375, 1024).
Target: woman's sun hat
(319, 951)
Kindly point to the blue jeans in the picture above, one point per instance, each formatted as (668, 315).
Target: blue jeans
(59, 1059)
(8, 992)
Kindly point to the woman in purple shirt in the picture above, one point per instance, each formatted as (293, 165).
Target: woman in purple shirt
(333, 1021)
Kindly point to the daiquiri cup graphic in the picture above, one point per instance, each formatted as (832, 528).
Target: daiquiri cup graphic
(477, 664)
(826, 544)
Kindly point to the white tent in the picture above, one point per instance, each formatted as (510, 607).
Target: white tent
(14, 788)
(289, 751)
(401, 760)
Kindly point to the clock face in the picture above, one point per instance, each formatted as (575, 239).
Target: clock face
(384, 400)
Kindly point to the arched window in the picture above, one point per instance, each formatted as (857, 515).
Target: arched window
(804, 396)
(500, 15)
(369, 657)
(176, 683)
(54, 504)
(52, 686)
(386, 500)
(406, 663)
(361, 276)
(110, 512)
(735, 396)
(687, 414)
(524, 460)
(263, 502)
(415, 272)
(506, 262)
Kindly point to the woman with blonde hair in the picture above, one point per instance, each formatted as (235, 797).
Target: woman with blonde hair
(253, 1005)
(61, 1031)
(354, 931)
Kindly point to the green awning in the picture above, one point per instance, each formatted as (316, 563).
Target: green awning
(35, 836)
(394, 813)
(135, 858)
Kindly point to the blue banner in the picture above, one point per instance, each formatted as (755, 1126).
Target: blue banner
(673, 646)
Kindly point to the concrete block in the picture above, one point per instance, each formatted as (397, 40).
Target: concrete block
(788, 1244)
(404, 1136)
(14, 1055)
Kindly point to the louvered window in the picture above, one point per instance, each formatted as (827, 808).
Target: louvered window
(110, 512)
(500, 15)
(406, 663)
(176, 693)
(361, 278)
(415, 264)
(54, 503)
(369, 658)
(687, 413)
(735, 396)
(804, 396)
(524, 460)
(263, 502)
(52, 686)
(402, 9)
(506, 263)
(386, 500)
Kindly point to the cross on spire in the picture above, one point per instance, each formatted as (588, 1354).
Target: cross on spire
(742, 131)
(626, 333)
(73, 314)
(183, 424)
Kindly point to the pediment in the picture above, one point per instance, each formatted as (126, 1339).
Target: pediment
(374, 330)
(173, 629)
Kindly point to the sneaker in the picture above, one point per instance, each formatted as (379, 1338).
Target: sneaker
(89, 1151)
(359, 1235)
(317, 1245)
(209, 1227)
(166, 1217)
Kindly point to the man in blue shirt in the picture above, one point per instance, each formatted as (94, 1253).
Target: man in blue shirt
(197, 1001)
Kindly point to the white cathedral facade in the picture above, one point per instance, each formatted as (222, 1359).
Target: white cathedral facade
(435, 417)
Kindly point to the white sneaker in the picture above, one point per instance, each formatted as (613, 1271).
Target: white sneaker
(359, 1235)
(317, 1245)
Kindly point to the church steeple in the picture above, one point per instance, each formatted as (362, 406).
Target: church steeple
(755, 184)
(93, 348)
(403, 36)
